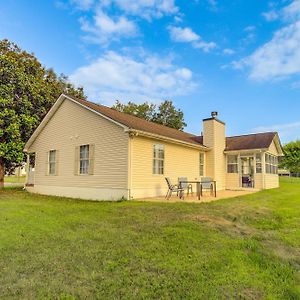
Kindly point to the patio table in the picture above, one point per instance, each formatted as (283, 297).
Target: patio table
(199, 187)
(198, 183)
(214, 187)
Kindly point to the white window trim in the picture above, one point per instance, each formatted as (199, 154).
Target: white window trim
(203, 164)
(237, 163)
(79, 160)
(55, 163)
(160, 159)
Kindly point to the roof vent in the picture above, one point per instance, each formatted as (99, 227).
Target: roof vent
(214, 114)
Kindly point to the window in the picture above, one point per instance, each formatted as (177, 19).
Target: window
(271, 164)
(258, 163)
(158, 159)
(232, 164)
(84, 159)
(201, 164)
(52, 162)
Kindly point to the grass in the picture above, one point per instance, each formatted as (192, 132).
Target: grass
(241, 248)
(14, 179)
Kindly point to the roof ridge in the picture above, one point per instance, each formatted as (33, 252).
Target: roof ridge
(132, 116)
(266, 132)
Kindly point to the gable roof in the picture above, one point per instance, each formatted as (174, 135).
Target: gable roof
(133, 122)
(129, 122)
(250, 141)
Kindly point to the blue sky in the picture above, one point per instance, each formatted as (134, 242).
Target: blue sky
(241, 58)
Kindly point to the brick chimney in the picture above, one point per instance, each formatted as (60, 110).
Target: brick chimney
(214, 138)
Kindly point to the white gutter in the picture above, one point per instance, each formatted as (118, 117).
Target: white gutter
(164, 138)
(245, 151)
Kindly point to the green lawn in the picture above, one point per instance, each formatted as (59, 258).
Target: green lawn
(241, 248)
(14, 179)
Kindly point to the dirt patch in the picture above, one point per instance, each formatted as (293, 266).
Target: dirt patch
(222, 224)
(211, 219)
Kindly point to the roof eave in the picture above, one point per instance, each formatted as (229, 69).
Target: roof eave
(167, 139)
(51, 112)
(246, 150)
(45, 120)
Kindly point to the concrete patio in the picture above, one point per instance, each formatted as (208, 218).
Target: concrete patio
(205, 198)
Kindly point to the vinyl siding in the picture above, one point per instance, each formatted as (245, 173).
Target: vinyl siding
(71, 126)
(179, 161)
(232, 181)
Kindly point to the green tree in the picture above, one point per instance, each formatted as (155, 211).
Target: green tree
(27, 91)
(169, 116)
(165, 114)
(144, 111)
(291, 159)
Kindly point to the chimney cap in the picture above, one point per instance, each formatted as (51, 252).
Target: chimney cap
(214, 114)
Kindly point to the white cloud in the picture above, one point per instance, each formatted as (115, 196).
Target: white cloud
(249, 28)
(271, 15)
(228, 51)
(115, 76)
(147, 9)
(278, 58)
(287, 132)
(187, 35)
(83, 4)
(292, 11)
(104, 29)
(288, 13)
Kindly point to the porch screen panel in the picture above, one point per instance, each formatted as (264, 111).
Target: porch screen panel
(258, 163)
(271, 164)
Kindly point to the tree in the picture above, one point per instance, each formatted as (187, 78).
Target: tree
(169, 116)
(27, 91)
(291, 159)
(165, 114)
(145, 110)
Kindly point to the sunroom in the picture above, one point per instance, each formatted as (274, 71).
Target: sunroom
(254, 170)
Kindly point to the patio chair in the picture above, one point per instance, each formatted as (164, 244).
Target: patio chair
(207, 184)
(173, 188)
(185, 185)
(246, 181)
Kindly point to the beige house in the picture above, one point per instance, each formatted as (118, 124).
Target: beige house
(90, 151)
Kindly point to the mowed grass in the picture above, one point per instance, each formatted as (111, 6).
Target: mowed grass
(240, 248)
(14, 179)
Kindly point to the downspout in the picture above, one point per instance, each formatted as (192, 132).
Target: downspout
(129, 172)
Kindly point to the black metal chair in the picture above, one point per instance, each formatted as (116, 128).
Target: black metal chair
(173, 188)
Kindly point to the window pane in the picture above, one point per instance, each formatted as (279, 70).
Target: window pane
(52, 154)
(158, 159)
(201, 172)
(232, 168)
(51, 168)
(258, 168)
(52, 161)
(201, 158)
(258, 158)
(84, 152)
(232, 159)
(84, 166)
